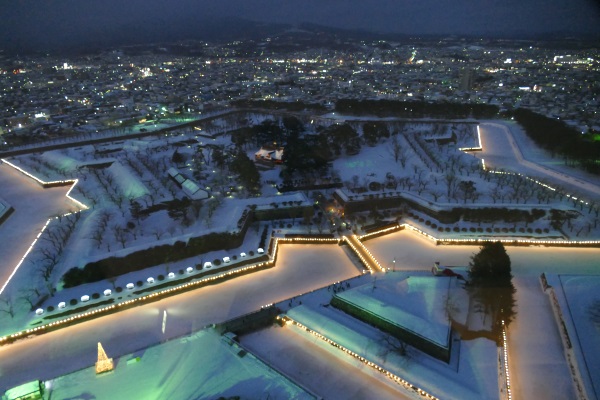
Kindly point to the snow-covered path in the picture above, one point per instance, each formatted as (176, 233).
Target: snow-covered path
(33, 206)
(300, 268)
(535, 347)
(327, 371)
(501, 151)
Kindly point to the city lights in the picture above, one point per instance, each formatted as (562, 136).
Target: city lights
(123, 106)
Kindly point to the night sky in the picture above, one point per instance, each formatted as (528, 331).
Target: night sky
(40, 24)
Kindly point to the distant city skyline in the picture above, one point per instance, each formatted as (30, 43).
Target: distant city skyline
(32, 25)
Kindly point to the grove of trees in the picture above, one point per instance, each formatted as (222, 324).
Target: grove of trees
(490, 284)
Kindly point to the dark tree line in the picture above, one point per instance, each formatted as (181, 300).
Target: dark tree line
(279, 105)
(114, 266)
(246, 170)
(373, 131)
(342, 138)
(308, 154)
(416, 109)
(558, 138)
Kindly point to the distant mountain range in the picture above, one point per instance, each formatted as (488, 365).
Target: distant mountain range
(143, 35)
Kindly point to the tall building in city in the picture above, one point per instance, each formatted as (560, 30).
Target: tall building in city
(467, 79)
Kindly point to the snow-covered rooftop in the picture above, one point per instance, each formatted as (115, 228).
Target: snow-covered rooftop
(416, 303)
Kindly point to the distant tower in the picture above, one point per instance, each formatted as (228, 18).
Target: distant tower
(467, 79)
(104, 364)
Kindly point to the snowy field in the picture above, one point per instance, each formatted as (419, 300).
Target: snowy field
(473, 376)
(112, 176)
(507, 147)
(200, 366)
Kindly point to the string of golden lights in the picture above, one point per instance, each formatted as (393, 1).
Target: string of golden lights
(505, 350)
(397, 379)
(166, 292)
(271, 262)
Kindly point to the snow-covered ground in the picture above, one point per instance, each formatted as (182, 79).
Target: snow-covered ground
(507, 147)
(415, 303)
(300, 269)
(537, 365)
(199, 366)
(470, 374)
(33, 205)
(473, 376)
(318, 366)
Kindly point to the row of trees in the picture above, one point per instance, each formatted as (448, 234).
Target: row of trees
(114, 266)
(416, 109)
(278, 105)
(558, 138)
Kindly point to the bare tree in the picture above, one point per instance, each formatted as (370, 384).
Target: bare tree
(158, 232)
(6, 306)
(395, 148)
(395, 345)
(30, 296)
(97, 236)
(495, 193)
(451, 182)
(436, 193)
(46, 267)
(467, 190)
(212, 204)
(120, 235)
(422, 182)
